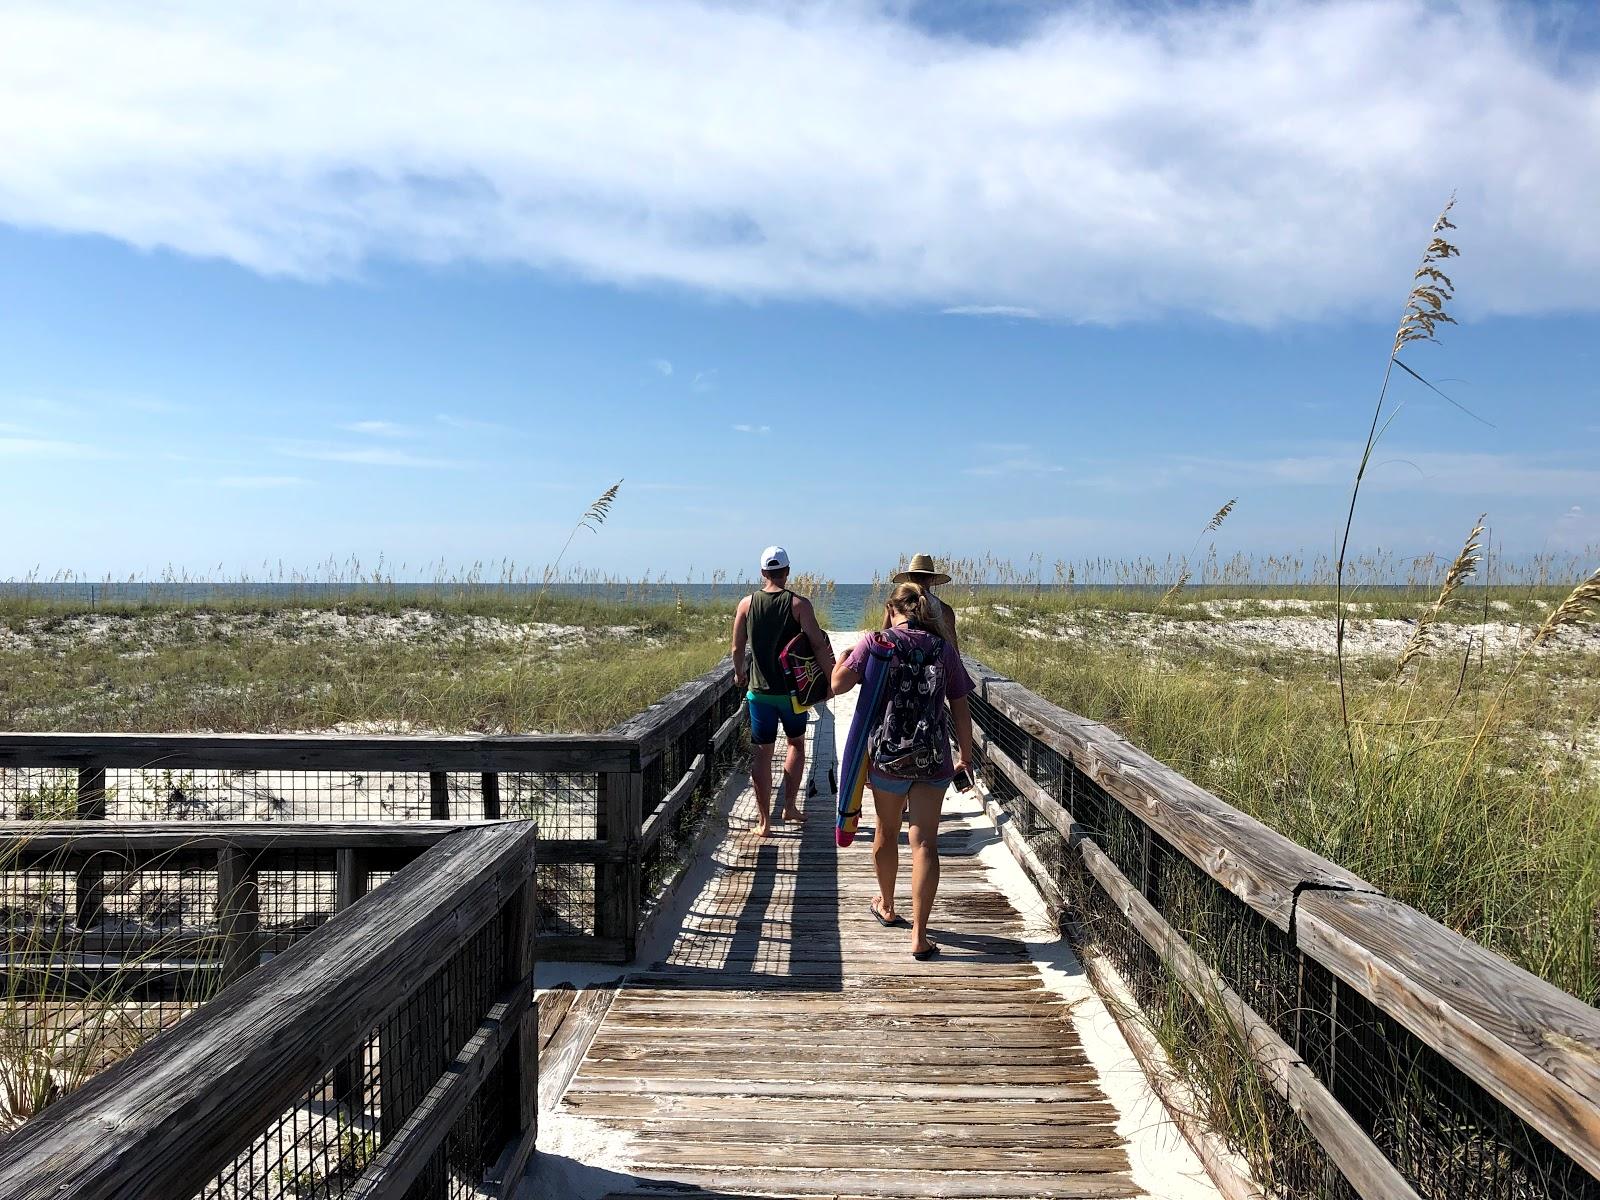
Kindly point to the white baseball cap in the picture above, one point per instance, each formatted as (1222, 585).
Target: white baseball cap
(774, 558)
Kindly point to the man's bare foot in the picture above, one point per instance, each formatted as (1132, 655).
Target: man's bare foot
(763, 829)
(793, 814)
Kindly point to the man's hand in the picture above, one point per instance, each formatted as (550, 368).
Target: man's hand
(741, 678)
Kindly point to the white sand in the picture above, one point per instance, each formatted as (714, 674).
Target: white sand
(142, 633)
(1311, 635)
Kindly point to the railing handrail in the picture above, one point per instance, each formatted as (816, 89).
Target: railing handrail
(43, 838)
(1528, 1042)
(652, 727)
(530, 753)
(250, 1053)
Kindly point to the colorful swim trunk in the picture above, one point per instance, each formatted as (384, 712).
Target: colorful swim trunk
(767, 709)
(894, 786)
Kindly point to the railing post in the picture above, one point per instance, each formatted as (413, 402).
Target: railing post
(521, 1072)
(350, 879)
(89, 903)
(617, 885)
(491, 795)
(238, 914)
(438, 796)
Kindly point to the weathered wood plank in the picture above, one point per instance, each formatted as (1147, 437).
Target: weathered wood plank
(251, 1052)
(1530, 1044)
(852, 1111)
(944, 1185)
(1259, 865)
(1361, 1162)
(845, 1088)
(652, 1151)
(675, 711)
(569, 1042)
(661, 819)
(1090, 1125)
(319, 752)
(403, 1156)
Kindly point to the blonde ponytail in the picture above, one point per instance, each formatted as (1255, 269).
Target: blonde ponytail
(912, 601)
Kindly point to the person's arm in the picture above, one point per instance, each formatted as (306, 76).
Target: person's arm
(961, 718)
(845, 677)
(741, 640)
(950, 620)
(807, 616)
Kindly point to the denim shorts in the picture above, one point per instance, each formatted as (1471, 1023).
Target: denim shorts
(764, 718)
(893, 786)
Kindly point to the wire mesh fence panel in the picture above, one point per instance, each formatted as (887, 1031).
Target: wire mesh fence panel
(1450, 1138)
(564, 805)
(566, 893)
(38, 793)
(331, 1137)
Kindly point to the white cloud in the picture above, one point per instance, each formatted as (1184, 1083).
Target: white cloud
(1576, 531)
(662, 366)
(1396, 469)
(1253, 162)
(472, 424)
(705, 381)
(1008, 459)
(260, 482)
(36, 447)
(384, 429)
(991, 310)
(755, 429)
(372, 456)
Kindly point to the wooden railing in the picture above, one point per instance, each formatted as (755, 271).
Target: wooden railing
(1400, 1059)
(612, 808)
(392, 1052)
(168, 913)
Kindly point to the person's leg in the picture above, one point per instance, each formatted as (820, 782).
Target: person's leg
(890, 810)
(763, 732)
(794, 764)
(761, 781)
(926, 802)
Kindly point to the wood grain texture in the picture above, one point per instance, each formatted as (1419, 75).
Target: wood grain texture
(1533, 1046)
(319, 752)
(786, 1021)
(1259, 865)
(248, 1055)
(675, 712)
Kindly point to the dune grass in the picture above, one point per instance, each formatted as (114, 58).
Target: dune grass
(472, 662)
(1504, 848)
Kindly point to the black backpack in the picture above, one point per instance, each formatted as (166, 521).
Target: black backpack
(913, 737)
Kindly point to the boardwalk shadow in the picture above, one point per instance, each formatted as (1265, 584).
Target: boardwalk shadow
(558, 1175)
(770, 917)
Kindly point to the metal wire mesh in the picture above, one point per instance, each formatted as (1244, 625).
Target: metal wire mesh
(562, 803)
(1449, 1137)
(669, 856)
(323, 1143)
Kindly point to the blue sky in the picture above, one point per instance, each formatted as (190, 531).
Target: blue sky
(859, 278)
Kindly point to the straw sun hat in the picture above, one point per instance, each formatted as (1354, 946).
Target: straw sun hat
(922, 564)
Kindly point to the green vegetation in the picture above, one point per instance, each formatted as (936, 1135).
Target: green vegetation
(462, 661)
(1500, 842)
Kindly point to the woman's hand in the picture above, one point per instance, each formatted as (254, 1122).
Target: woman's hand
(962, 765)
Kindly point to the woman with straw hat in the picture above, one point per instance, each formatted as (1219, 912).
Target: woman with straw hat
(925, 573)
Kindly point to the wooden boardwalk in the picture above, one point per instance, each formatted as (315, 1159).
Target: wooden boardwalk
(790, 1046)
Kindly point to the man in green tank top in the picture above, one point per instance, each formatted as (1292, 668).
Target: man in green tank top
(763, 625)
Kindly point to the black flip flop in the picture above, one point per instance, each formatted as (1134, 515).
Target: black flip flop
(925, 955)
(897, 922)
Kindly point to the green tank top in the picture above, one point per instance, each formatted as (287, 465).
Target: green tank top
(771, 624)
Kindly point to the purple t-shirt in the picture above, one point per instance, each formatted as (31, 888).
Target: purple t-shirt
(957, 683)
